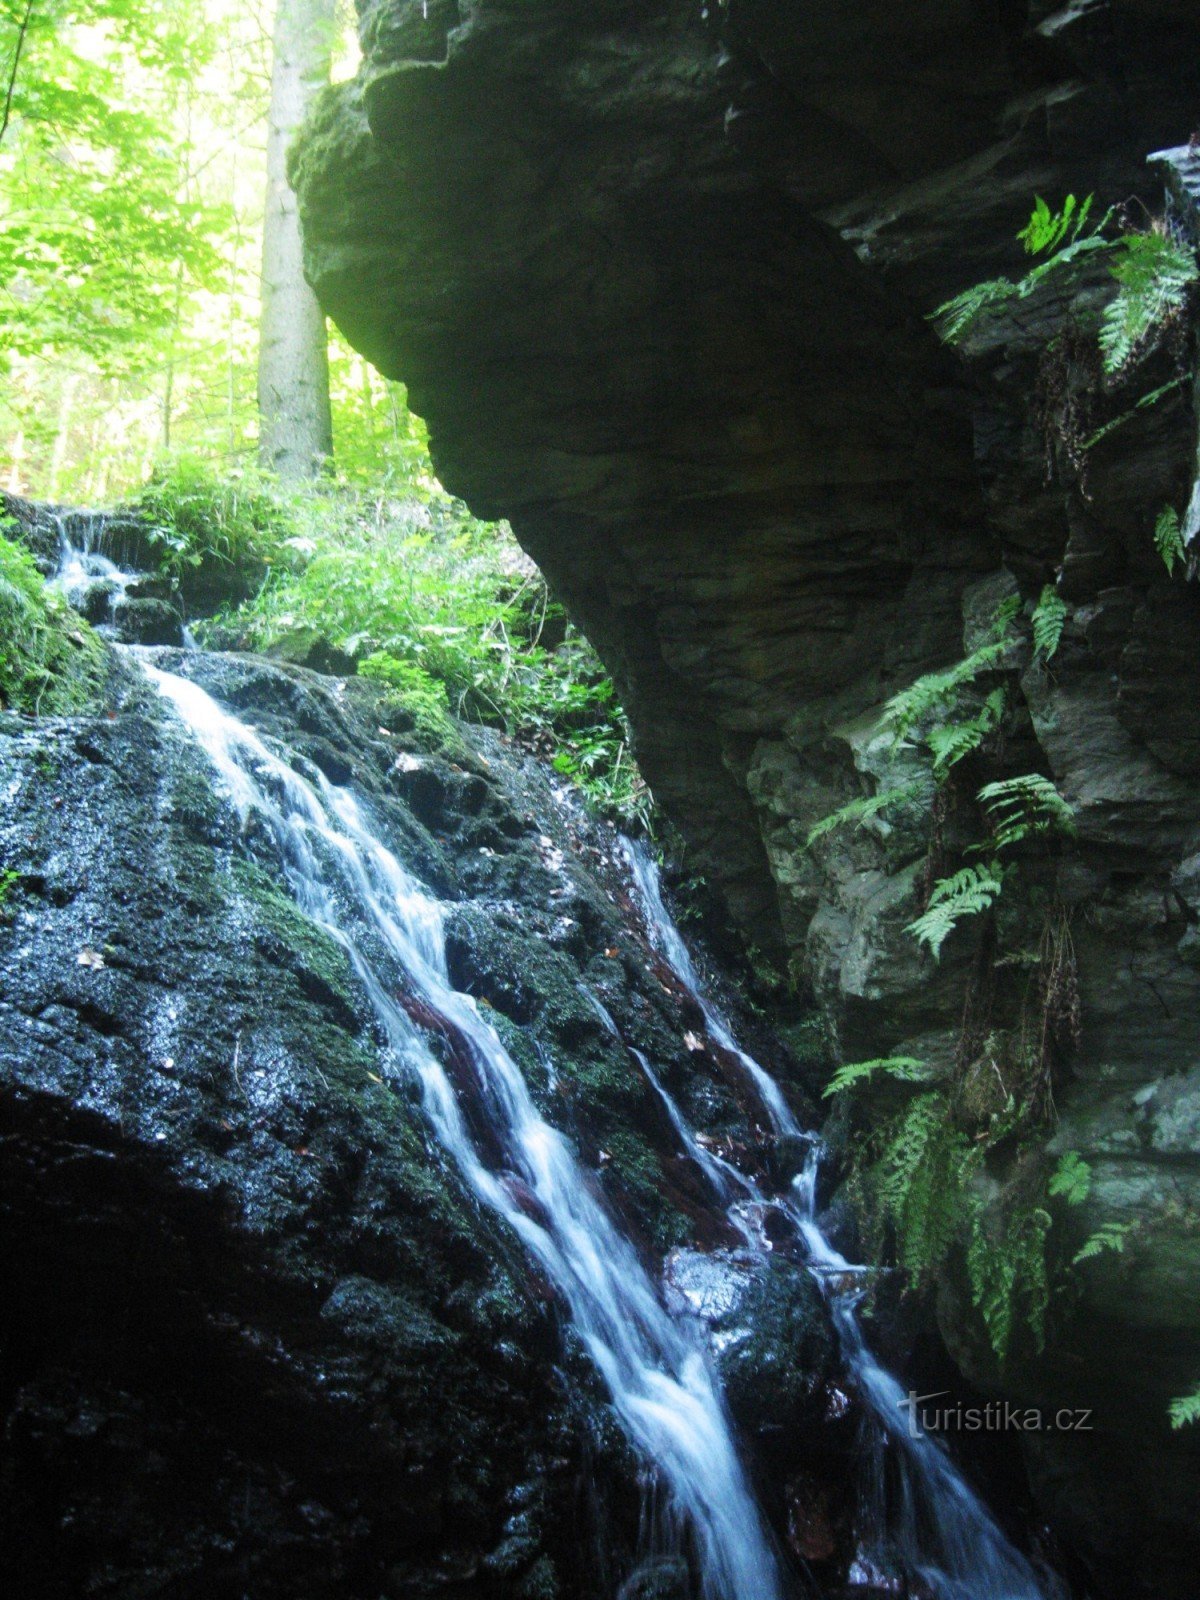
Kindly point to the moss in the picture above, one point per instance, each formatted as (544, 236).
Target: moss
(51, 663)
(318, 961)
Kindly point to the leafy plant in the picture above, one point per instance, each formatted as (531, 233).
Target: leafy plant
(1168, 539)
(1110, 1236)
(936, 690)
(1047, 230)
(198, 515)
(905, 1068)
(968, 892)
(50, 660)
(1049, 618)
(1044, 233)
(1156, 276)
(1071, 1179)
(951, 742)
(859, 811)
(1021, 807)
(446, 610)
(1010, 1281)
(1185, 1410)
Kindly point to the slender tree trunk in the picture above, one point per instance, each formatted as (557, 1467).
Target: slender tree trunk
(296, 437)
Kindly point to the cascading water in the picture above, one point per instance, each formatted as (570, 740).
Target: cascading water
(931, 1529)
(662, 1386)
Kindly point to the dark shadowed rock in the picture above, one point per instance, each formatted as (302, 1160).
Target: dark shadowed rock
(658, 276)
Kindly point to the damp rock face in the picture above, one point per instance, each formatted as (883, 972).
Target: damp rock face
(659, 277)
(257, 1337)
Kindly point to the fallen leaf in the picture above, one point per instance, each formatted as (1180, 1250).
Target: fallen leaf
(374, 1077)
(693, 1041)
(90, 958)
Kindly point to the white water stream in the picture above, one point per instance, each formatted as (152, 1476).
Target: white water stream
(920, 1522)
(921, 1526)
(658, 1374)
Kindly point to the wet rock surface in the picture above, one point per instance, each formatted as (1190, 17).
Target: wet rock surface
(659, 279)
(256, 1337)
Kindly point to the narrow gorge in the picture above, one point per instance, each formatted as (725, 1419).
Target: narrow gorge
(424, 1178)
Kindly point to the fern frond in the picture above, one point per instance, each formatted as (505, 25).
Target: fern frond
(1046, 230)
(1110, 1236)
(956, 315)
(933, 691)
(1049, 617)
(1156, 276)
(1071, 1178)
(1168, 538)
(1010, 1283)
(858, 812)
(950, 743)
(905, 1068)
(1021, 807)
(970, 891)
(1185, 1410)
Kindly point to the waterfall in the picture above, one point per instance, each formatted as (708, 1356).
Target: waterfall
(920, 1522)
(658, 1374)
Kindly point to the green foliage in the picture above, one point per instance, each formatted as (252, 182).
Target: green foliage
(1110, 1236)
(921, 1188)
(951, 742)
(50, 661)
(905, 1068)
(1185, 1410)
(1010, 1282)
(968, 892)
(1023, 807)
(98, 224)
(1156, 276)
(198, 515)
(934, 692)
(1046, 231)
(445, 609)
(1168, 538)
(8, 878)
(421, 695)
(859, 811)
(1049, 617)
(1144, 404)
(1071, 1179)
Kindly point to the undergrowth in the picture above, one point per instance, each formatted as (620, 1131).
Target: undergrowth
(416, 593)
(50, 661)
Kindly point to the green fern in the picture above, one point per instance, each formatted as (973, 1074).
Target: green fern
(970, 891)
(936, 690)
(1022, 807)
(1110, 1236)
(957, 314)
(1049, 617)
(1071, 1178)
(1156, 276)
(1168, 539)
(1186, 1410)
(951, 742)
(906, 1068)
(1010, 1282)
(1047, 230)
(858, 811)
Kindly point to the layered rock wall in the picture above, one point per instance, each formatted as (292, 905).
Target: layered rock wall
(659, 277)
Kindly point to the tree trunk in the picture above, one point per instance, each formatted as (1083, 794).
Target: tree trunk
(296, 437)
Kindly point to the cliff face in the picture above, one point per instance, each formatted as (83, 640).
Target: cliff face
(658, 276)
(259, 1336)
